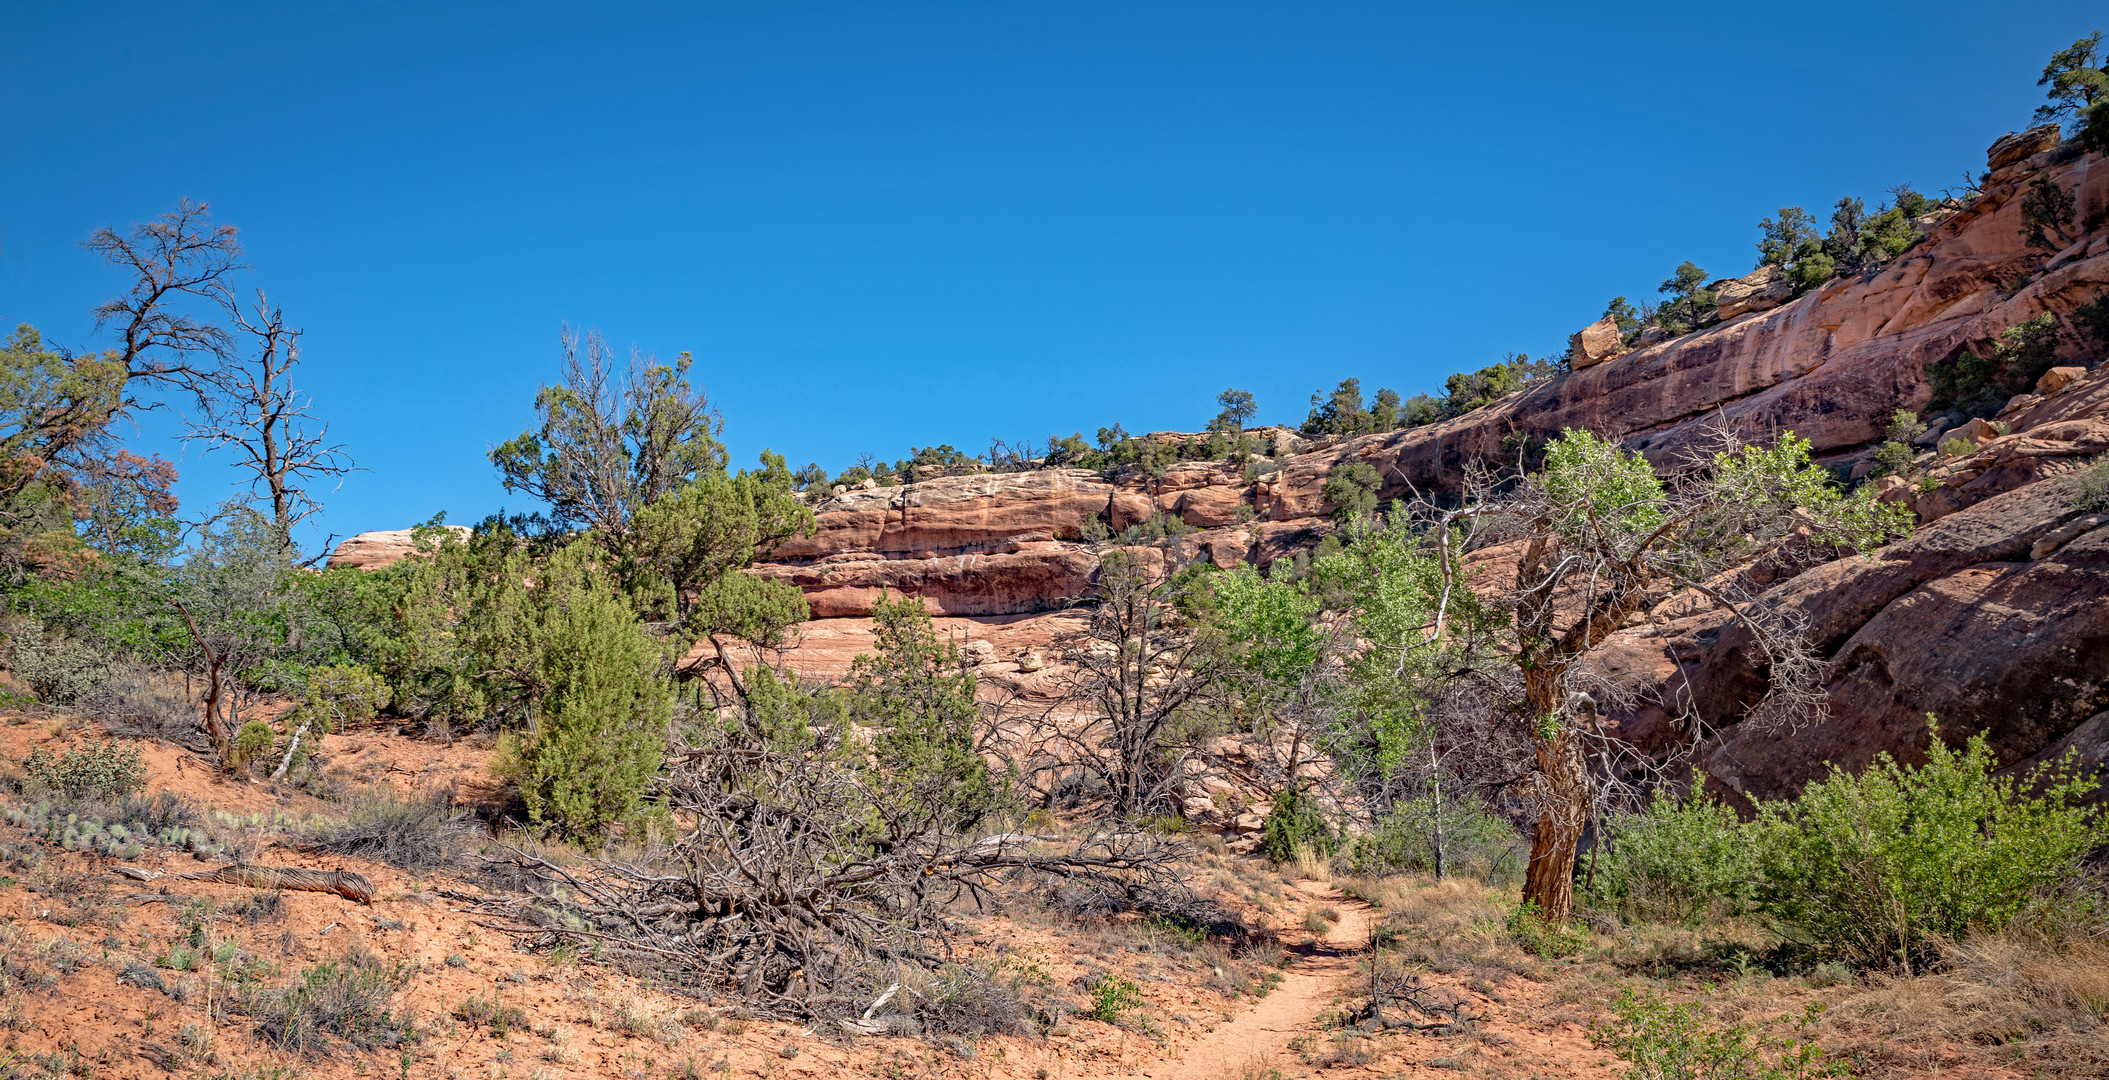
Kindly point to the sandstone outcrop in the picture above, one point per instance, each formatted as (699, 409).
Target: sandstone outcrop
(1596, 343)
(1994, 619)
(1762, 289)
(373, 550)
(2020, 145)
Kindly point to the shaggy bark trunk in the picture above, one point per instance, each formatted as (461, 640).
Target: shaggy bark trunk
(1564, 794)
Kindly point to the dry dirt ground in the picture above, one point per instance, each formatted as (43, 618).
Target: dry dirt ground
(92, 986)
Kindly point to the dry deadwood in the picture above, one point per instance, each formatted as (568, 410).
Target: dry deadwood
(801, 880)
(341, 882)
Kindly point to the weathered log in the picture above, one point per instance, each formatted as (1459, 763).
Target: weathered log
(343, 883)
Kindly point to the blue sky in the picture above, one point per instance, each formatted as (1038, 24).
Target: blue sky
(884, 225)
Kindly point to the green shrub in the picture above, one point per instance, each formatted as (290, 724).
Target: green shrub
(1958, 447)
(1112, 995)
(2090, 487)
(1351, 489)
(1676, 861)
(60, 670)
(97, 770)
(1663, 1041)
(1294, 821)
(349, 997)
(1979, 385)
(1528, 927)
(1892, 459)
(1881, 866)
(601, 710)
(1474, 840)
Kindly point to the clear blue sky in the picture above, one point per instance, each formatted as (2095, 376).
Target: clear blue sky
(885, 224)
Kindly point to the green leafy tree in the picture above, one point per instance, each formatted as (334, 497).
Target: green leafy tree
(2046, 215)
(918, 697)
(1622, 315)
(2073, 81)
(1601, 530)
(1690, 305)
(1351, 490)
(1421, 409)
(1238, 406)
(632, 456)
(611, 441)
(65, 476)
(1785, 236)
(1384, 410)
(1338, 413)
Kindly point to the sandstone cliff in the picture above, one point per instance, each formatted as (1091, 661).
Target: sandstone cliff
(1972, 619)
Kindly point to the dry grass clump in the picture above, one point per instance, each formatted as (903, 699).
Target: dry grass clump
(2019, 999)
(415, 831)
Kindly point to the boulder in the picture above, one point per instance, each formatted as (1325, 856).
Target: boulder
(977, 653)
(1976, 429)
(2019, 145)
(1596, 343)
(2058, 378)
(374, 550)
(1762, 289)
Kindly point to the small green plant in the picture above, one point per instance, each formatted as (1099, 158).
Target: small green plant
(1958, 447)
(1295, 821)
(1892, 459)
(1665, 1041)
(1113, 995)
(2090, 487)
(1542, 938)
(479, 1011)
(349, 997)
(97, 770)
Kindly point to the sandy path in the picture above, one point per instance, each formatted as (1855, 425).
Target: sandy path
(1307, 988)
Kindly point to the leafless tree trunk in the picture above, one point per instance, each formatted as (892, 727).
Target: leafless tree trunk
(1137, 674)
(252, 408)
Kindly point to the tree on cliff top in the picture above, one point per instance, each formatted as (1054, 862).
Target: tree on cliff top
(2073, 80)
(1690, 303)
(1238, 406)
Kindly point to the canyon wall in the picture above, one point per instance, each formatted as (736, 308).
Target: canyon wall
(1974, 618)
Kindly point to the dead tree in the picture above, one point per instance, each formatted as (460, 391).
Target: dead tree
(250, 407)
(180, 256)
(1139, 671)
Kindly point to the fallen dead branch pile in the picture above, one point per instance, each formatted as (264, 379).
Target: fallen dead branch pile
(802, 880)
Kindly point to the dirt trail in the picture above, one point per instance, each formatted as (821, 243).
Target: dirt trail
(1261, 1034)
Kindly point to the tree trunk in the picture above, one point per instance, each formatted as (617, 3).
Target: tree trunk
(1564, 794)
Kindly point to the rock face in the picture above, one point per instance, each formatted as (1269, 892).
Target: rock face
(373, 550)
(1994, 618)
